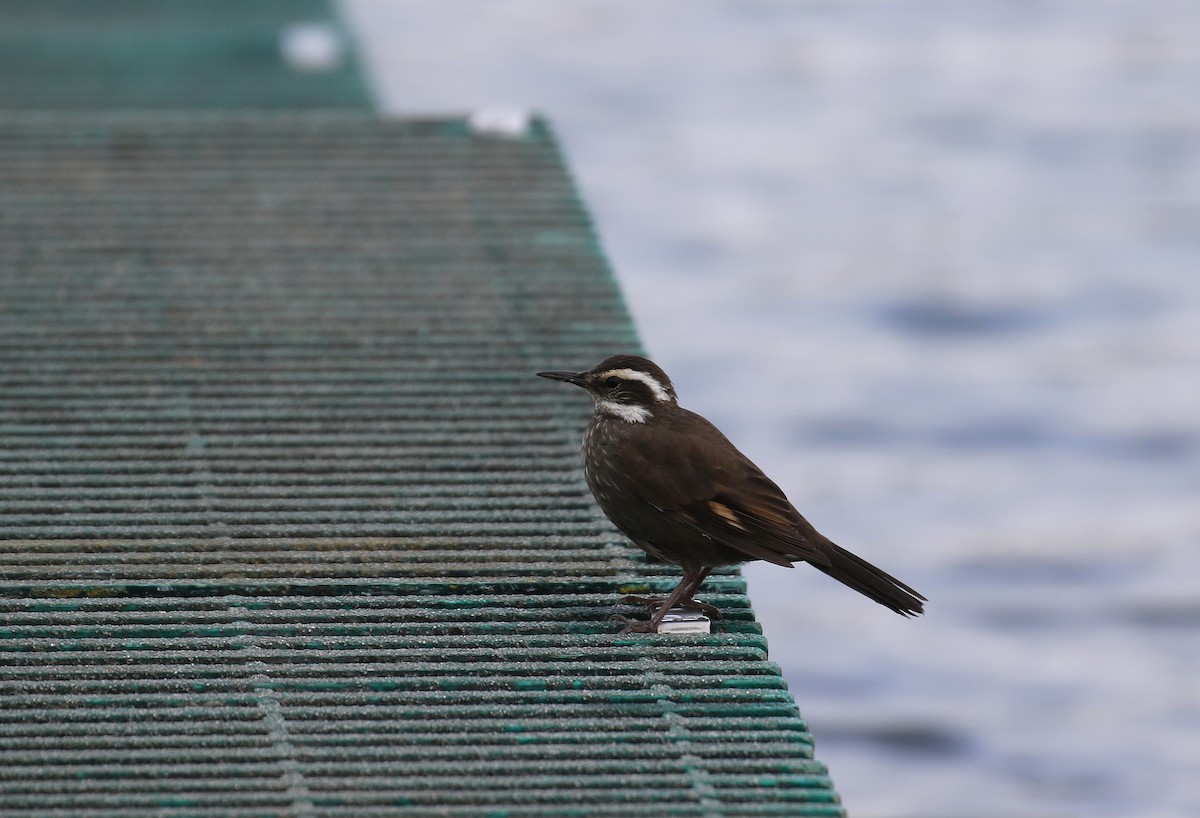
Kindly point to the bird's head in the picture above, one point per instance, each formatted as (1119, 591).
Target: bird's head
(625, 387)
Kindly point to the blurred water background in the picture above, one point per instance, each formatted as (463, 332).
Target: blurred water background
(935, 265)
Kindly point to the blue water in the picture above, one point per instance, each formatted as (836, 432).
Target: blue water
(936, 267)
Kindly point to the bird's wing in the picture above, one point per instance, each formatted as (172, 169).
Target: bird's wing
(721, 494)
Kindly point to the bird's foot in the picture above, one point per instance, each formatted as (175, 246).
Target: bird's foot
(655, 602)
(632, 625)
(652, 602)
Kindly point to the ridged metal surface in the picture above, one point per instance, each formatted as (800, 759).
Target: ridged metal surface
(171, 54)
(287, 525)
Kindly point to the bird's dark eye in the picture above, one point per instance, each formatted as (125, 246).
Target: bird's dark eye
(612, 382)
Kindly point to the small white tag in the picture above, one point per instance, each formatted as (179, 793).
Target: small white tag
(503, 123)
(312, 47)
(684, 620)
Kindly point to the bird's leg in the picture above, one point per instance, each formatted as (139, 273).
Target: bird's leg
(653, 603)
(687, 601)
(692, 577)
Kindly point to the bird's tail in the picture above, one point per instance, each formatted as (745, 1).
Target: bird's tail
(870, 581)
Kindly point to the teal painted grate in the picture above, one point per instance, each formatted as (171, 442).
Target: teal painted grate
(176, 54)
(287, 525)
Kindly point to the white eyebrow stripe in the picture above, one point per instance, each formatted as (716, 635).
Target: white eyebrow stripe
(633, 375)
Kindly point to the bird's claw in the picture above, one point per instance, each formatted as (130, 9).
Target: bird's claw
(632, 625)
(644, 601)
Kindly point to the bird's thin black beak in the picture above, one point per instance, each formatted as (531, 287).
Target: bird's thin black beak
(559, 375)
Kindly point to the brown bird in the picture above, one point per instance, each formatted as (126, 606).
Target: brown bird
(676, 486)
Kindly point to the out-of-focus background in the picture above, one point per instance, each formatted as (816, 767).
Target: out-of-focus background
(935, 265)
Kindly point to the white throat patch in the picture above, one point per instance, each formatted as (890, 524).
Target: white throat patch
(633, 375)
(625, 411)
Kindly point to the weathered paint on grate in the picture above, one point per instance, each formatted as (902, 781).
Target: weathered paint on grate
(172, 54)
(287, 525)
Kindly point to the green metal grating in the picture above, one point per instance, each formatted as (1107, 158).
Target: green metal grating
(287, 525)
(172, 54)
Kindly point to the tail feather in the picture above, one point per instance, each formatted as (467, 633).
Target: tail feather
(872, 582)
